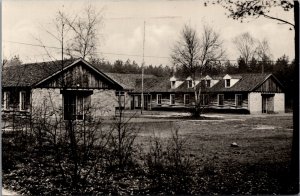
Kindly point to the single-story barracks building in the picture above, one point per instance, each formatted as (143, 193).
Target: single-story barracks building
(238, 93)
(73, 88)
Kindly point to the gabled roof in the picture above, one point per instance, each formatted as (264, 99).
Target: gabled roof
(29, 75)
(246, 83)
(157, 84)
(128, 81)
(232, 76)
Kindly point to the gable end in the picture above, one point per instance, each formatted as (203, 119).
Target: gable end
(79, 74)
(269, 85)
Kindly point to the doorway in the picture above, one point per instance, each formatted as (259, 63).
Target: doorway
(267, 103)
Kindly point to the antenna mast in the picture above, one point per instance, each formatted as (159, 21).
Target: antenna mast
(142, 95)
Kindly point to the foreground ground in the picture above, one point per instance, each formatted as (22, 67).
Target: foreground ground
(259, 165)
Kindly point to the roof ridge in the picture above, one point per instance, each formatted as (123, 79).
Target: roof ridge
(24, 64)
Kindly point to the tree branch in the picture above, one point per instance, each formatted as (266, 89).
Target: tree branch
(278, 19)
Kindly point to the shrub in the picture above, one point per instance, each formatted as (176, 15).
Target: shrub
(169, 166)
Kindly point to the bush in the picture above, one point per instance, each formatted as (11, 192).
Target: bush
(169, 166)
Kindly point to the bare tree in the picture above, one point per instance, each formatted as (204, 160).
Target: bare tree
(194, 54)
(77, 35)
(263, 49)
(246, 45)
(85, 29)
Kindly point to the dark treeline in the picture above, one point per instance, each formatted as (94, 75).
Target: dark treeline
(131, 67)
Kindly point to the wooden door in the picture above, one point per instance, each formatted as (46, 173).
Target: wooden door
(267, 103)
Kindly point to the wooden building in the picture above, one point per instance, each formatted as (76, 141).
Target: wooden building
(241, 93)
(74, 88)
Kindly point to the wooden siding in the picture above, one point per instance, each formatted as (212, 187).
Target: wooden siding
(229, 101)
(166, 102)
(78, 76)
(269, 86)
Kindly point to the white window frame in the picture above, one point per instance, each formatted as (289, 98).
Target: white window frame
(172, 99)
(204, 98)
(82, 104)
(157, 99)
(121, 98)
(219, 99)
(22, 100)
(173, 84)
(188, 83)
(236, 100)
(226, 86)
(6, 100)
(208, 81)
(184, 99)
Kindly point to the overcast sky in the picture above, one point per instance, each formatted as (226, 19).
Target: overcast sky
(122, 33)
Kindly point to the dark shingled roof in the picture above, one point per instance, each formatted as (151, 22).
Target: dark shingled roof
(128, 81)
(247, 83)
(158, 84)
(26, 75)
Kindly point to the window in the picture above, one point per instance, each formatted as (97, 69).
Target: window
(173, 84)
(139, 102)
(76, 105)
(186, 99)
(220, 99)
(158, 99)
(121, 98)
(205, 99)
(190, 83)
(227, 83)
(207, 83)
(172, 99)
(5, 100)
(238, 100)
(23, 100)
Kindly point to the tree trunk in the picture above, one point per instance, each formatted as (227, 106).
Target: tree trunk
(295, 144)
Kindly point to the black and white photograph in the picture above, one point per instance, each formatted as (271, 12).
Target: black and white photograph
(140, 97)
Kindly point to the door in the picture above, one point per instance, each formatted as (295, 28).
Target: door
(147, 102)
(267, 103)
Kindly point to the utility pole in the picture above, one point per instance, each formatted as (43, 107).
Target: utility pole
(142, 94)
(62, 54)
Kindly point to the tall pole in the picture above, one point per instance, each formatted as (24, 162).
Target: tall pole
(142, 95)
(62, 53)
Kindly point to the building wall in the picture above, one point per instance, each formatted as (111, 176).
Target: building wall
(229, 101)
(255, 103)
(279, 103)
(46, 101)
(165, 100)
(103, 102)
(128, 100)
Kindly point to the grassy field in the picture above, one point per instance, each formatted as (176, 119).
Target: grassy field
(261, 138)
(259, 165)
